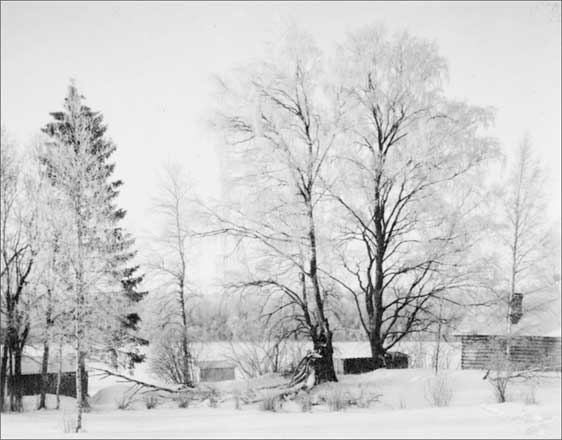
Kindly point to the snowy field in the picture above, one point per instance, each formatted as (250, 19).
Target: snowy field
(403, 411)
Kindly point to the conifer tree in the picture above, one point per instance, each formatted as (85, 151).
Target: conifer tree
(104, 283)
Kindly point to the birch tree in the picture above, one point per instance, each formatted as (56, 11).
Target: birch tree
(527, 239)
(51, 311)
(280, 135)
(18, 245)
(170, 265)
(408, 170)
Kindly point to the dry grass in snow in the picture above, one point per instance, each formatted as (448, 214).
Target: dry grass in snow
(402, 410)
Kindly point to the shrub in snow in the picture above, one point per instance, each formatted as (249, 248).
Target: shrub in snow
(365, 398)
(183, 399)
(500, 384)
(336, 398)
(438, 391)
(126, 400)
(530, 396)
(170, 362)
(151, 401)
(305, 401)
(237, 396)
(213, 401)
(502, 378)
(270, 402)
(260, 357)
(206, 393)
(504, 373)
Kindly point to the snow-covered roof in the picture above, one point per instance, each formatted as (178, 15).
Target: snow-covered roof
(32, 364)
(557, 333)
(545, 322)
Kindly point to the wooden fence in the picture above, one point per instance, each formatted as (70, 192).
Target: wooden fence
(481, 352)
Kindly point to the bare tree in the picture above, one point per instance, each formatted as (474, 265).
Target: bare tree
(18, 245)
(407, 183)
(51, 308)
(280, 134)
(49, 311)
(528, 238)
(170, 264)
(169, 362)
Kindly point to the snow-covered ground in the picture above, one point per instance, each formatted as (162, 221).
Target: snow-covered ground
(402, 412)
(512, 420)
(421, 356)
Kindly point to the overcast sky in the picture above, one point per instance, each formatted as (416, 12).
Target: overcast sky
(147, 67)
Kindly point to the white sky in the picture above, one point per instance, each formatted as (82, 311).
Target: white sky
(147, 67)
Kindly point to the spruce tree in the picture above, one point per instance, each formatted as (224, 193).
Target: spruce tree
(77, 163)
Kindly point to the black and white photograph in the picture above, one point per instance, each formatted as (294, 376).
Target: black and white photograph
(280, 219)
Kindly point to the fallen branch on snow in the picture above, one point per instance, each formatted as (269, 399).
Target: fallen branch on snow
(108, 373)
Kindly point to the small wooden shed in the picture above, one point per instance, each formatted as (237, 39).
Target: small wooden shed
(31, 377)
(481, 351)
(358, 365)
(216, 371)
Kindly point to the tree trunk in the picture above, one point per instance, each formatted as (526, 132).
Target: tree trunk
(3, 375)
(59, 375)
(186, 364)
(79, 301)
(11, 376)
(375, 312)
(186, 361)
(377, 350)
(17, 403)
(321, 334)
(438, 340)
(78, 335)
(324, 366)
(514, 267)
(78, 370)
(44, 376)
(84, 386)
(45, 360)
(374, 300)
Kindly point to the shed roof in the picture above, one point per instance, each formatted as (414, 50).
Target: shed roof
(539, 319)
(32, 364)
